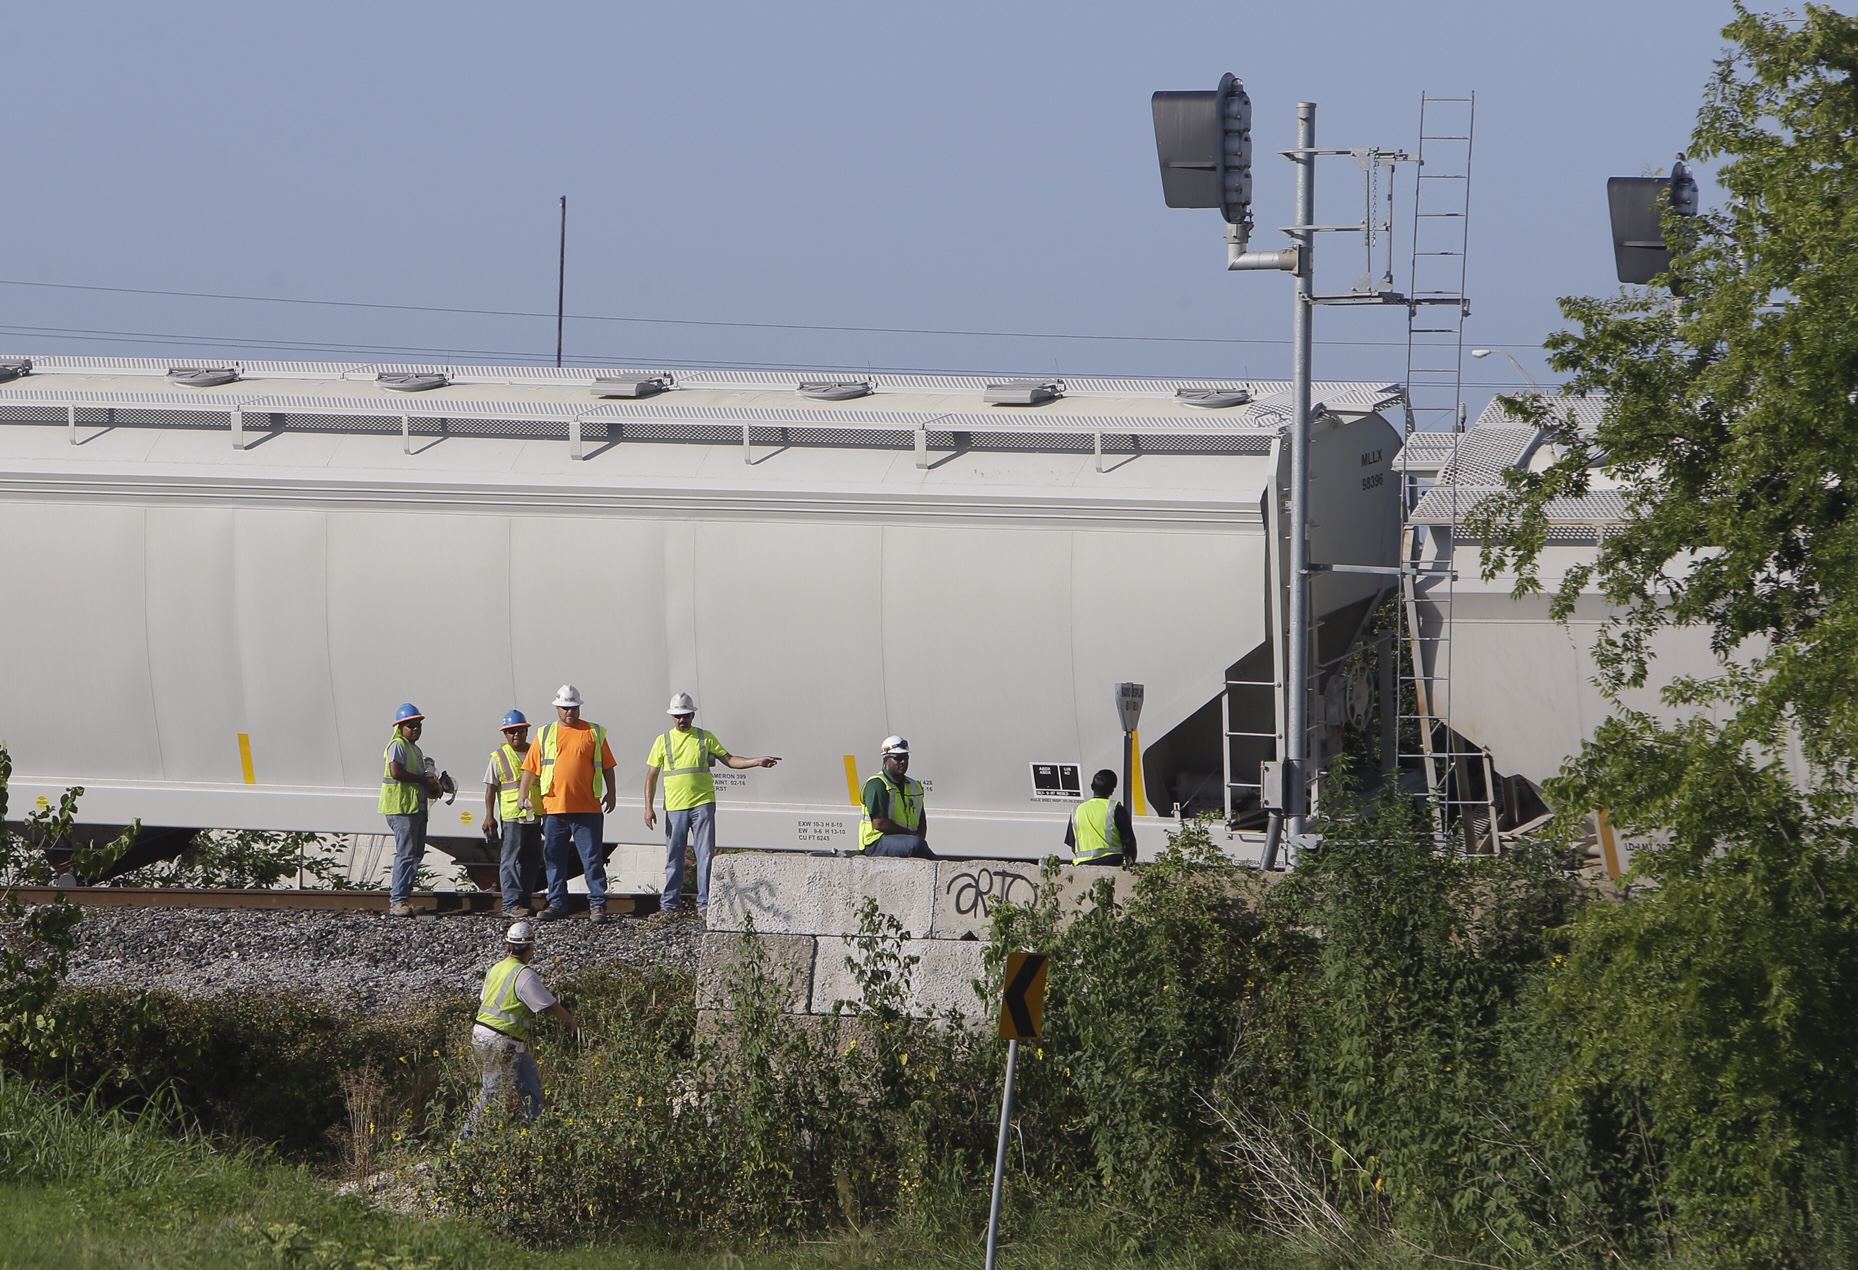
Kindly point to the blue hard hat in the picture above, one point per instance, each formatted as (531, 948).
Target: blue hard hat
(407, 713)
(514, 719)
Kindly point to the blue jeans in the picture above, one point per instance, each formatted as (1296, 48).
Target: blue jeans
(502, 1063)
(522, 861)
(562, 838)
(902, 844)
(697, 823)
(409, 850)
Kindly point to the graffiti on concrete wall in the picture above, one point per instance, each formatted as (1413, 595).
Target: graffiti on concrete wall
(983, 890)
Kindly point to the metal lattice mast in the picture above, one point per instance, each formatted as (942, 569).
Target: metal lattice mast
(1459, 781)
(1437, 304)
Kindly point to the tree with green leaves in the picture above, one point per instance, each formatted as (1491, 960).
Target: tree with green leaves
(1712, 1018)
(1731, 422)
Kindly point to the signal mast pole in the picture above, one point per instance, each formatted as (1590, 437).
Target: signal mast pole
(1297, 637)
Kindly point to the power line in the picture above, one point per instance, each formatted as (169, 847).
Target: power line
(749, 326)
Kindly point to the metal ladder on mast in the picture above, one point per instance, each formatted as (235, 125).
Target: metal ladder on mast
(1460, 782)
(1436, 302)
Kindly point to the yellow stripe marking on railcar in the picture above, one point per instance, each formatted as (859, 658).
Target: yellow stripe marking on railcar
(1136, 794)
(245, 758)
(851, 780)
(1609, 846)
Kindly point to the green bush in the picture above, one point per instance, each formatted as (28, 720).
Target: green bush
(1389, 1043)
(1143, 1010)
(36, 941)
(271, 1068)
(754, 1122)
(751, 1122)
(1704, 1032)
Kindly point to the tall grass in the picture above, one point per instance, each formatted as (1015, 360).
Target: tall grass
(50, 1139)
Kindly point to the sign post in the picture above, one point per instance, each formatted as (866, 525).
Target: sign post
(1022, 1012)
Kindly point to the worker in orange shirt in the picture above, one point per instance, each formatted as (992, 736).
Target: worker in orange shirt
(573, 764)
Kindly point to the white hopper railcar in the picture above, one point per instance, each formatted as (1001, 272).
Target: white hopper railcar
(1514, 687)
(219, 586)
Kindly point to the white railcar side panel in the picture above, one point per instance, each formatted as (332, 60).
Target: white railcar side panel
(302, 630)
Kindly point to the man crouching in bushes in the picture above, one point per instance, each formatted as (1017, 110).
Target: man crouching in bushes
(513, 996)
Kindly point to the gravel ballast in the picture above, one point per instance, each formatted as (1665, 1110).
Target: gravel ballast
(352, 961)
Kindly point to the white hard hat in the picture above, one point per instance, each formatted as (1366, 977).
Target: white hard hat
(682, 703)
(519, 935)
(568, 695)
(895, 745)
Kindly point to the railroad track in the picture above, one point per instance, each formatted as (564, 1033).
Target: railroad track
(425, 903)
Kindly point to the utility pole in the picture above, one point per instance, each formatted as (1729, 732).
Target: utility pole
(561, 282)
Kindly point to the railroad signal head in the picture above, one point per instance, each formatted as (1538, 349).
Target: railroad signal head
(1636, 206)
(1204, 142)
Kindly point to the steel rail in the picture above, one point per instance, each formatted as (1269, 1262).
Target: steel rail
(425, 903)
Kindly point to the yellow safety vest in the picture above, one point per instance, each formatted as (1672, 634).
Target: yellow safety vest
(400, 798)
(551, 745)
(906, 808)
(686, 773)
(509, 767)
(500, 1009)
(1093, 831)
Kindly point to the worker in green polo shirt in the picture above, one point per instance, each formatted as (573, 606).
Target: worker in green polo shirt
(895, 823)
(684, 755)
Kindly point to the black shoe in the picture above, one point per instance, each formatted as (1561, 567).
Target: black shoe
(551, 914)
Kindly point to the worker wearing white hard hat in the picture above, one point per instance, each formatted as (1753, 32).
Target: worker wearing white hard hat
(684, 755)
(571, 767)
(501, 1037)
(895, 822)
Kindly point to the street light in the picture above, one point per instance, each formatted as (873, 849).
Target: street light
(1486, 352)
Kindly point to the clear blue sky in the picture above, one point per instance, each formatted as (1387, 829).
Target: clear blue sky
(956, 166)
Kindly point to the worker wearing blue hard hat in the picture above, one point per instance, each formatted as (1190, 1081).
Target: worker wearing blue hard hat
(407, 782)
(516, 832)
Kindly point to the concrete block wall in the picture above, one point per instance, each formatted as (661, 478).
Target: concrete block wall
(806, 908)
